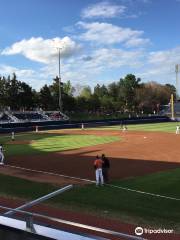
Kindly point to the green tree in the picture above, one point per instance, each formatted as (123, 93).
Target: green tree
(100, 91)
(86, 92)
(68, 88)
(45, 98)
(172, 90)
(81, 104)
(128, 87)
(114, 90)
(13, 89)
(54, 89)
(94, 103)
(25, 96)
(3, 93)
(150, 96)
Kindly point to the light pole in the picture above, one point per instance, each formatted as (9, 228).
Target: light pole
(177, 67)
(59, 79)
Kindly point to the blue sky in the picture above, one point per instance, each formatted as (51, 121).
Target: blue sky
(101, 41)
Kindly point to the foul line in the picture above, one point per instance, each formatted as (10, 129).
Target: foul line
(145, 193)
(91, 181)
(50, 173)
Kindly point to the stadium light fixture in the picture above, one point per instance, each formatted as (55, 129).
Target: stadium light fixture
(59, 76)
(177, 69)
(59, 48)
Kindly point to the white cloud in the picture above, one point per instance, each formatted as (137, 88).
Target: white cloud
(100, 63)
(135, 42)
(132, 2)
(160, 66)
(88, 69)
(115, 61)
(31, 77)
(168, 57)
(114, 58)
(106, 33)
(8, 70)
(103, 9)
(42, 50)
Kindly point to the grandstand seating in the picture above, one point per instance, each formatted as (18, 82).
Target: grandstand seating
(31, 116)
(167, 110)
(4, 118)
(56, 115)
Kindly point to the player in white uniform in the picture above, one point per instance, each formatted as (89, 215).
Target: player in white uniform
(124, 128)
(1, 155)
(12, 136)
(177, 129)
(37, 130)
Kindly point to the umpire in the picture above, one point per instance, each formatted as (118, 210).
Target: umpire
(105, 168)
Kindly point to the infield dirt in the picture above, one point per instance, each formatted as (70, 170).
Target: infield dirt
(135, 154)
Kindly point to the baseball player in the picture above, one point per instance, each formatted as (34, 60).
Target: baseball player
(82, 126)
(124, 128)
(12, 136)
(1, 155)
(37, 130)
(98, 171)
(177, 129)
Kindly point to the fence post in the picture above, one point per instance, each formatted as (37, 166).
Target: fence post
(29, 224)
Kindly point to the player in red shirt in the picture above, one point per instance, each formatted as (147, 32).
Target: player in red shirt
(98, 170)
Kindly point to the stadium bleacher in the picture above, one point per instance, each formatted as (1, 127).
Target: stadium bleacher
(4, 118)
(166, 110)
(55, 115)
(31, 116)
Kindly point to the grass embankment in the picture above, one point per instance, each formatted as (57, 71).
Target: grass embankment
(112, 202)
(44, 143)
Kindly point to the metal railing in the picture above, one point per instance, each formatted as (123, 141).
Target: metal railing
(31, 227)
(30, 224)
(39, 200)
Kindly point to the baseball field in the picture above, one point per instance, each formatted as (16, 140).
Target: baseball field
(144, 174)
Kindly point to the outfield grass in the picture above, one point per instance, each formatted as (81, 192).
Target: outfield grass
(66, 142)
(163, 183)
(156, 127)
(118, 203)
(44, 143)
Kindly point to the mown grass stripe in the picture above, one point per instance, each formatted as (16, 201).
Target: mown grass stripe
(49, 143)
